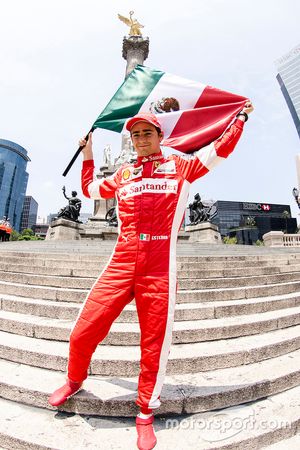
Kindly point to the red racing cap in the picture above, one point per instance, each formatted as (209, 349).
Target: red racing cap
(143, 117)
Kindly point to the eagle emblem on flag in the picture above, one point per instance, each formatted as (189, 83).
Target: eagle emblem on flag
(166, 104)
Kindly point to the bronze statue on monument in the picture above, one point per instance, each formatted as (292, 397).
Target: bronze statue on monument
(199, 212)
(133, 24)
(72, 210)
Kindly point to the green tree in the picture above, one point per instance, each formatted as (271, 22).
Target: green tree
(229, 240)
(259, 243)
(28, 235)
(27, 232)
(14, 235)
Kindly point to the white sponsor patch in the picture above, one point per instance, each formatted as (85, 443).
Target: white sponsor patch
(149, 185)
(137, 172)
(168, 167)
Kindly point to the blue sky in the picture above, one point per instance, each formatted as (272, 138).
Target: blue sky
(62, 62)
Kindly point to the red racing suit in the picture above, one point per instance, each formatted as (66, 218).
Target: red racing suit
(151, 199)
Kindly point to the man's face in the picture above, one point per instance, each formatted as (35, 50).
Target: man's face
(145, 138)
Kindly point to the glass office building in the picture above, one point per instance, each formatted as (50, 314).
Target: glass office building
(29, 213)
(13, 181)
(288, 77)
(232, 218)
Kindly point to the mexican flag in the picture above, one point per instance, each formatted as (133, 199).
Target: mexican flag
(192, 114)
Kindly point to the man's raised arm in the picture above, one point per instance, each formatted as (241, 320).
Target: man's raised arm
(93, 187)
(202, 161)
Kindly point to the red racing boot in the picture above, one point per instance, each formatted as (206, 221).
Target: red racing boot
(63, 393)
(146, 437)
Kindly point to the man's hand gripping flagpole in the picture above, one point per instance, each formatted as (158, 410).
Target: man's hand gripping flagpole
(78, 151)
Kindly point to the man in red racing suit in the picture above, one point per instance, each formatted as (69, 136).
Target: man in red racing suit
(151, 199)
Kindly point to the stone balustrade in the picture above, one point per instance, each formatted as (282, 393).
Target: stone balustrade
(280, 239)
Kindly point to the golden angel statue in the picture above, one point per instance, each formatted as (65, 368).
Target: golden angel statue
(133, 24)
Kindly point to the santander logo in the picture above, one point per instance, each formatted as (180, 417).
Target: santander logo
(151, 185)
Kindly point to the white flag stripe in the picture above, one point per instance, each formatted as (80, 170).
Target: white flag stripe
(187, 92)
(94, 189)
(208, 156)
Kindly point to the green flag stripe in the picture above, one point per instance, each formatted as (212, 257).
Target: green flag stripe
(128, 99)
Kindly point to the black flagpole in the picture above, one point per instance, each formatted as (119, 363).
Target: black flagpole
(76, 154)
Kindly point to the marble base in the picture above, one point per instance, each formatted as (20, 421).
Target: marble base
(63, 230)
(206, 233)
(96, 228)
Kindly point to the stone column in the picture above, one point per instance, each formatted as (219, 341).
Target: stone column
(135, 50)
(96, 226)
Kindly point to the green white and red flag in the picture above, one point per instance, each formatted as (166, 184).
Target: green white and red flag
(192, 114)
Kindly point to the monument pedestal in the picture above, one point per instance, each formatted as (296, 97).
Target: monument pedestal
(96, 228)
(206, 233)
(63, 230)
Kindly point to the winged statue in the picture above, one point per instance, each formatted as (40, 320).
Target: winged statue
(134, 25)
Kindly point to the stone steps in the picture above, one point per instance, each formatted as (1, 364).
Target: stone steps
(181, 272)
(195, 250)
(184, 358)
(236, 339)
(129, 333)
(95, 265)
(182, 264)
(186, 394)
(183, 311)
(184, 283)
(291, 443)
(269, 423)
(183, 295)
(71, 259)
(234, 264)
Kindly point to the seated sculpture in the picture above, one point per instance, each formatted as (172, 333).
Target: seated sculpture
(198, 212)
(72, 210)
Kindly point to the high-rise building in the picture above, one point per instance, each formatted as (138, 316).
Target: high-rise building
(257, 218)
(288, 77)
(13, 181)
(29, 213)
